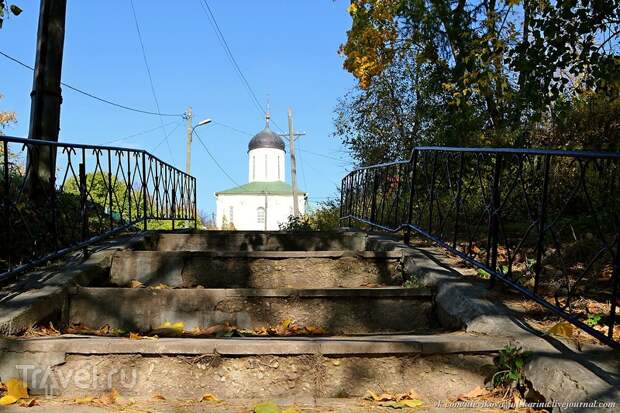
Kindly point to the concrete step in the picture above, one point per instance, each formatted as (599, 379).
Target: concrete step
(336, 311)
(257, 241)
(438, 366)
(257, 269)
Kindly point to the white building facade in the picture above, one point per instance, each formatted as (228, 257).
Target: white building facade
(267, 200)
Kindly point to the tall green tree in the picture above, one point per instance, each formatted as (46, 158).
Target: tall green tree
(485, 72)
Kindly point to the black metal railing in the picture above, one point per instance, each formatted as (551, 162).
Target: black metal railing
(543, 222)
(89, 193)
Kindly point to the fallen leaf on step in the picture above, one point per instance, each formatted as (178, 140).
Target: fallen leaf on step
(169, 329)
(403, 404)
(160, 286)
(84, 400)
(208, 397)
(136, 284)
(562, 329)
(28, 403)
(159, 397)
(7, 400)
(412, 404)
(473, 394)
(267, 407)
(15, 390)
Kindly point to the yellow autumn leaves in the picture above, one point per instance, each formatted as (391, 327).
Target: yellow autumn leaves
(368, 50)
(14, 390)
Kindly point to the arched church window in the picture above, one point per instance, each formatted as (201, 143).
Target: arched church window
(266, 166)
(260, 215)
(278, 167)
(253, 167)
(231, 211)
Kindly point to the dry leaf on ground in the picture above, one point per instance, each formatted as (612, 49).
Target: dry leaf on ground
(15, 390)
(562, 329)
(208, 397)
(473, 394)
(267, 407)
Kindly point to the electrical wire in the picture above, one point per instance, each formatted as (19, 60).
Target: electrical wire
(148, 71)
(215, 160)
(232, 128)
(165, 139)
(144, 132)
(220, 35)
(92, 96)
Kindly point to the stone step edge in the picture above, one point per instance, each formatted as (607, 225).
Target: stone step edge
(256, 346)
(264, 254)
(379, 292)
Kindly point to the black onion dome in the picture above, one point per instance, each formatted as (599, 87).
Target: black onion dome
(266, 139)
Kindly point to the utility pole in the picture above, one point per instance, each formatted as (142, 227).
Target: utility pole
(46, 98)
(188, 146)
(291, 141)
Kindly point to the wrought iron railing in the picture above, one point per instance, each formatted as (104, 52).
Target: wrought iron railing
(90, 192)
(544, 222)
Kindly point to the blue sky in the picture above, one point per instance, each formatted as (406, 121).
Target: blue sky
(286, 49)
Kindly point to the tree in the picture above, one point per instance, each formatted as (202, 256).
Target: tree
(6, 118)
(489, 71)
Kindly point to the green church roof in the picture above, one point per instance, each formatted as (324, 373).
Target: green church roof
(262, 188)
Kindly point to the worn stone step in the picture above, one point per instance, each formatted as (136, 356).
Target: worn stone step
(438, 367)
(336, 311)
(258, 241)
(257, 269)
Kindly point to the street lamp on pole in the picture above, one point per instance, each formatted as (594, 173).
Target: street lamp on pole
(190, 134)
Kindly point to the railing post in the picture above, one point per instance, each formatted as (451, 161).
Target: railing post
(342, 197)
(615, 292)
(83, 203)
(494, 221)
(174, 197)
(143, 177)
(193, 181)
(350, 199)
(432, 194)
(129, 188)
(53, 206)
(110, 196)
(541, 224)
(7, 206)
(413, 164)
(373, 204)
(459, 185)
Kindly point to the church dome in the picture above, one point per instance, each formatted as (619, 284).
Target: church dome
(266, 139)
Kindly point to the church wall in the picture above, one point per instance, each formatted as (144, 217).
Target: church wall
(266, 165)
(245, 210)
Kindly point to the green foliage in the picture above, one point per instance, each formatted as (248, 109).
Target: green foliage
(325, 218)
(594, 319)
(450, 72)
(510, 364)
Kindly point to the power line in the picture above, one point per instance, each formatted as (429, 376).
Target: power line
(215, 160)
(232, 128)
(216, 27)
(144, 132)
(148, 71)
(90, 95)
(166, 136)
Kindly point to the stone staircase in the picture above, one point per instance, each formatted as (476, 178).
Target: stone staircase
(359, 328)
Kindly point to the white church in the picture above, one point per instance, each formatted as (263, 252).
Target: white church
(267, 200)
